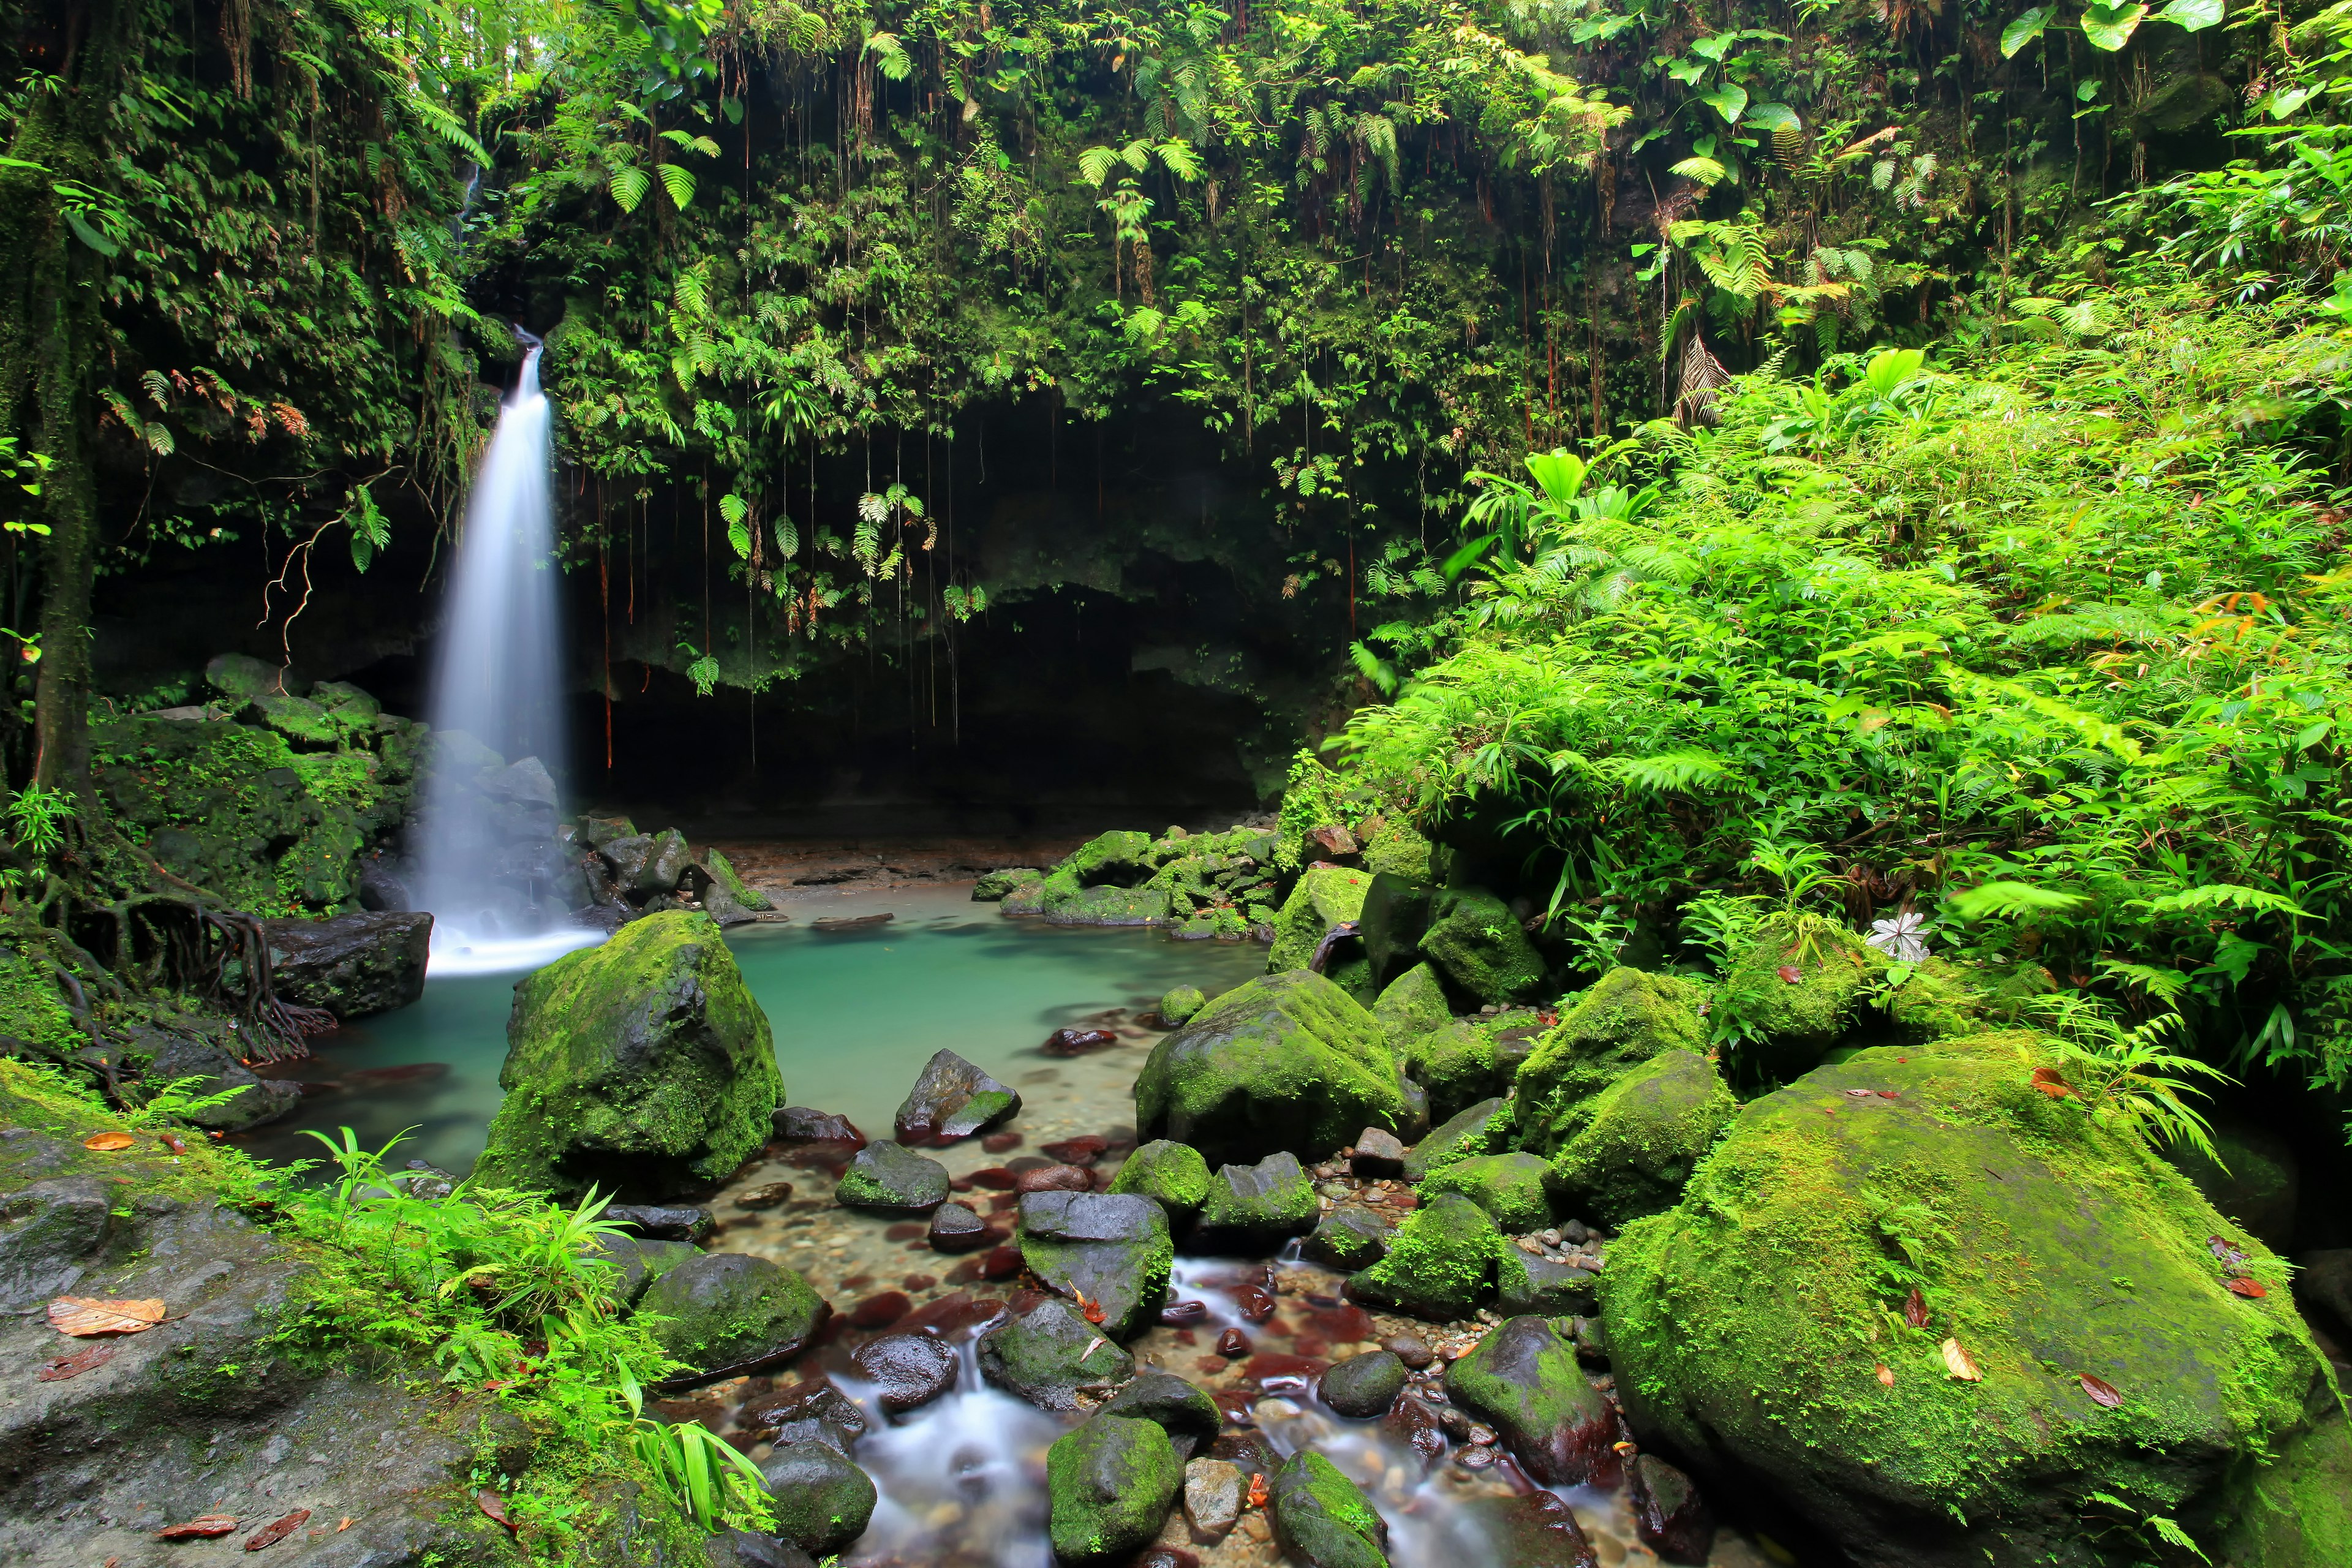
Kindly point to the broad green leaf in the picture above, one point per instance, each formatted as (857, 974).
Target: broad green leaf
(2025, 29)
(1726, 101)
(2193, 16)
(2009, 900)
(1774, 117)
(2110, 27)
(91, 236)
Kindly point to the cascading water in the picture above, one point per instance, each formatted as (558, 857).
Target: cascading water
(488, 863)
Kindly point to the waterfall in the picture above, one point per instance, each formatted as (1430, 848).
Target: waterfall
(489, 867)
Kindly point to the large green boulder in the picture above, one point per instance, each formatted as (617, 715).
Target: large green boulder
(1122, 858)
(731, 1311)
(1642, 1137)
(1323, 897)
(1795, 989)
(1323, 1520)
(1289, 1061)
(1475, 1130)
(1457, 1063)
(1628, 1018)
(642, 1068)
(1438, 1266)
(1400, 851)
(2293, 1510)
(1050, 1355)
(821, 1501)
(2080, 1332)
(1107, 905)
(1475, 942)
(1414, 1004)
(1515, 1190)
(1259, 1203)
(1108, 1486)
(1172, 1175)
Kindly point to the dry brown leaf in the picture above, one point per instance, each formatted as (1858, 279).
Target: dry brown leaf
(106, 1143)
(80, 1362)
(271, 1534)
(345, 1525)
(173, 1142)
(2101, 1390)
(1790, 974)
(82, 1316)
(1885, 1375)
(204, 1527)
(2248, 1287)
(1915, 1309)
(490, 1504)
(1957, 1364)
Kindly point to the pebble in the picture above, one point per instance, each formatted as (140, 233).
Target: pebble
(1475, 1459)
(1413, 1351)
(1212, 1496)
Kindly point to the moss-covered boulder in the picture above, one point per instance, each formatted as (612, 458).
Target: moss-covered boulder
(1796, 989)
(992, 887)
(891, 1178)
(1624, 1020)
(1172, 1174)
(731, 1312)
(1414, 1004)
(1323, 1520)
(1475, 942)
(2293, 1509)
(1439, 1265)
(823, 1502)
(1049, 1354)
(1642, 1136)
(1287, 1062)
(1124, 858)
(1397, 849)
(1475, 1130)
(1456, 1063)
(642, 1066)
(1178, 1005)
(1110, 1249)
(1523, 1378)
(1759, 1330)
(1256, 1205)
(1323, 897)
(722, 872)
(1107, 905)
(1187, 1413)
(1108, 1486)
(1518, 1191)
(1351, 1237)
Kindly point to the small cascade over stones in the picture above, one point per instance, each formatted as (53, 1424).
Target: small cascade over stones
(491, 866)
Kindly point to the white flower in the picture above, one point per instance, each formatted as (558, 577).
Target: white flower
(1898, 937)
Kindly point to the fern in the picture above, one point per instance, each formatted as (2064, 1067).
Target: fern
(629, 185)
(679, 181)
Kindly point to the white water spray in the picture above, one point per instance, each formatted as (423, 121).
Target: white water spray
(489, 867)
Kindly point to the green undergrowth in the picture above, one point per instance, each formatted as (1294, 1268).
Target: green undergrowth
(492, 1298)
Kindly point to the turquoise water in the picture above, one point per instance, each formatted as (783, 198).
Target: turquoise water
(855, 1015)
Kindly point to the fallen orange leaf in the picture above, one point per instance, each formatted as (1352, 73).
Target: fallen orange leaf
(203, 1527)
(1956, 1362)
(106, 1143)
(2100, 1390)
(1885, 1375)
(173, 1142)
(82, 1316)
(74, 1365)
(1258, 1494)
(271, 1534)
(345, 1525)
(490, 1504)
(2247, 1287)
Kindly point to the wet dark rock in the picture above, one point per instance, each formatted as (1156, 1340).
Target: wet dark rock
(1411, 1349)
(1524, 1379)
(1050, 1353)
(1323, 1520)
(663, 1222)
(890, 1177)
(1364, 1386)
(1108, 1486)
(1078, 1041)
(259, 1100)
(1378, 1154)
(1232, 1342)
(383, 891)
(909, 1370)
(952, 1099)
(1669, 1515)
(767, 1197)
(2325, 1283)
(730, 1312)
(823, 1502)
(1183, 1314)
(1535, 1531)
(742, 1549)
(851, 922)
(50, 1232)
(1186, 1414)
(1111, 1250)
(1411, 1422)
(640, 1261)
(812, 1412)
(627, 857)
(1054, 1179)
(667, 858)
(1271, 1198)
(1527, 1285)
(880, 1311)
(956, 1228)
(799, 1124)
(1350, 1237)
(998, 1142)
(1083, 1150)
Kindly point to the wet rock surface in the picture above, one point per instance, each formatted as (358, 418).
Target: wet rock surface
(1365, 1386)
(908, 1370)
(953, 1099)
(1109, 1252)
(822, 1500)
(1525, 1381)
(351, 965)
(1048, 1354)
(888, 1176)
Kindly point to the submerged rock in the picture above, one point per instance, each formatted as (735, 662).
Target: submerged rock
(1537, 1530)
(642, 1066)
(351, 965)
(1523, 1380)
(1475, 942)
(892, 1177)
(1288, 1062)
(1642, 1136)
(1669, 1515)
(952, 1099)
(1048, 1354)
(1322, 1518)
(821, 1501)
(731, 1312)
(1110, 1249)
(1172, 1174)
(1109, 1485)
(1439, 1265)
(956, 1228)
(2053, 1252)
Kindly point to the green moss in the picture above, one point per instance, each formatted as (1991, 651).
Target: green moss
(1746, 1325)
(1438, 1266)
(1642, 1137)
(641, 1065)
(1475, 941)
(1515, 1190)
(1794, 990)
(1323, 1519)
(2294, 1511)
(723, 872)
(1626, 1019)
(1172, 1174)
(1322, 898)
(1271, 1198)
(1480, 1129)
(1412, 1006)
(31, 1009)
(1106, 906)
(1109, 1485)
(1179, 1004)
(1124, 858)
(1457, 1063)
(1399, 852)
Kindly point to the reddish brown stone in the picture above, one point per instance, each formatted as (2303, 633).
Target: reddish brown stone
(879, 1311)
(1055, 1179)
(1083, 1150)
(998, 1142)
(1005, 1263)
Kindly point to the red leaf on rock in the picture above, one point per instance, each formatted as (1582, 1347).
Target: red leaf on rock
(1791, 973)
(1915, 1309)
(80, 1362)
(107, 1142)
(1259, 1496)
(271, 1534)
(490, 1504)
(2250, 1288)
(204, 1527)
(2101, 1390)
(2047, 1080)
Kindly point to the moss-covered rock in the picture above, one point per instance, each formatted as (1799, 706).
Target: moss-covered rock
(892, 1179)
(1323, 897)
(2294, 1511)
(1259, 1203)
(242, 678)
(1172, 1174)
(1187, 1413)
(1107, 905)
(2251, 1176)
(1178, 1005)
(992, 885)
(1323, 1520)
(1049, 1354)
(1475, 1129)
(1287, 1062)
(1526, 1285)
(1515, 1190)
(1110, 1249)
(823, 1502)
(731, 1311)
(1795, 989)
(1457, 1064)
(1524, 1379)
(1351, 1237)
(1364, 1386)
(642, 1066)
(722, 872)
(1109, 1485)
(1623, 1021)
(1024, 899)
(1414, 1004)
(2048, 1250)
(1124, 858)
(1399, 851)
(1642, 1136)
(1438, 1266)
(1476, 942)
